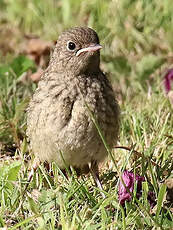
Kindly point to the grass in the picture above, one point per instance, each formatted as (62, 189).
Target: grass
(137, 40)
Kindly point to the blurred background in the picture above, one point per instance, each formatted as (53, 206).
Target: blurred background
(136, 34)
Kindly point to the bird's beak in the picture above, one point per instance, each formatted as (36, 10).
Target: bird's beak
(91, 48)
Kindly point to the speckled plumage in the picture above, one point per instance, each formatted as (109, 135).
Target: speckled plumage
(59, 124)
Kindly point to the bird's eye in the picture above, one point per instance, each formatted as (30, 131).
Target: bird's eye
(71, 46)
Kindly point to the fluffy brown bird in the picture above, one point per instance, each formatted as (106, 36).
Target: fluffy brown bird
(70, 93)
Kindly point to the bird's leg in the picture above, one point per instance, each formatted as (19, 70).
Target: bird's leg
(33, 169)
(95, 173)
(48, 168)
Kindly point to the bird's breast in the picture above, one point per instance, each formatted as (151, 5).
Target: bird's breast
(64, 120)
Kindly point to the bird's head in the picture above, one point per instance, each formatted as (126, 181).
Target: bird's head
(77, 51)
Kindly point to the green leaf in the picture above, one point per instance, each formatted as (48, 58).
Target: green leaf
(10, 171)
(161, 195)
(14, 170)
(33, 205)
(21, 64)
(145, 190)
(8, 174)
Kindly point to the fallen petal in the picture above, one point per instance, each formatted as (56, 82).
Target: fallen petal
(129, 179)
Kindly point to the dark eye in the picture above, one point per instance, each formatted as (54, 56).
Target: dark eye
(71, 45)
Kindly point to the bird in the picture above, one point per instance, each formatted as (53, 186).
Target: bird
(74, 106)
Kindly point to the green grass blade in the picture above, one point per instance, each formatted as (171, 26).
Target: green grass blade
(161, 195)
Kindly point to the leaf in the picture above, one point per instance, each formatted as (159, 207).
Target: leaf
(33, 205)
(8, 174)
(14, 170)
(147, 65)
(21, 64)
(161, 195)
(10, 171)
(145, 190)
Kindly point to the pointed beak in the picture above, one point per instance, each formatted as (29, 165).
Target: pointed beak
(91, 48)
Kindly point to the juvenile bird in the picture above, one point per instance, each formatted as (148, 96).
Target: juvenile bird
(71, 93)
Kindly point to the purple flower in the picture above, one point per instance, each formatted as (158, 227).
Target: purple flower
(129, 179)
(167, 80)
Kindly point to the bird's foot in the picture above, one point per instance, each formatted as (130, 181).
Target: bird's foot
(95, 173)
